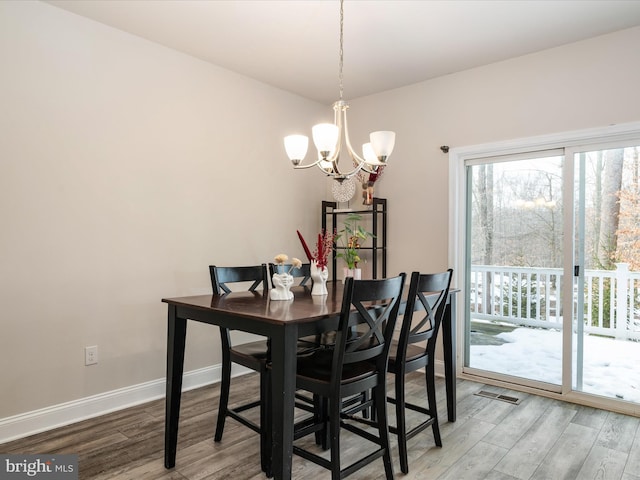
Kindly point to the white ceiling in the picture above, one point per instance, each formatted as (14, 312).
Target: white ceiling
(293, 44)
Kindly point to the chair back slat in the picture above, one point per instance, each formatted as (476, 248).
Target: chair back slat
(222, 276)
(428, 295)
(367, 320)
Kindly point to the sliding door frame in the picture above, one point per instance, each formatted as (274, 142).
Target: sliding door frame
(459, 228)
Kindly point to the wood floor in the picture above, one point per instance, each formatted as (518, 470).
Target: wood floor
(540, 438)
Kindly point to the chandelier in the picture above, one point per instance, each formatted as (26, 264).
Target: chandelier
(328, 139)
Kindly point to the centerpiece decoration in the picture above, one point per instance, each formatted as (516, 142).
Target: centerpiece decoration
(368, 180)
(319, 270)
(350, 238)
(282, 280)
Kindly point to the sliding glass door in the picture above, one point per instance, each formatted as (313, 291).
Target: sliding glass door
(551, 268)
(606, 329)
(514, 266)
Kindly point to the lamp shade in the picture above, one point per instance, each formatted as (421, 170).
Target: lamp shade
(369, 155)
(296, 146)
(326, 166)
(325, 137)
(383, 143)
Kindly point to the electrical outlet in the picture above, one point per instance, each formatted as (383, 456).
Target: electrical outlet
(91, 355)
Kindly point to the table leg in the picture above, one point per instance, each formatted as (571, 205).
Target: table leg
(449, 347)
(176, 334)
(283, 384)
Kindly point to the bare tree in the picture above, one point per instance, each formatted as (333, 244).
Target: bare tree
(610, 207)
(485, 206)
(597, 204)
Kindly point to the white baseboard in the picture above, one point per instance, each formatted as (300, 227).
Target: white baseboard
(29, 423)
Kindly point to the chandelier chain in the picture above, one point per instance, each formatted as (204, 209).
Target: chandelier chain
(340, 76)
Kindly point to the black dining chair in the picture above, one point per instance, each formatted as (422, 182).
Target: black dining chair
(356, 364)
(414, 349)
(303, 272)
(252, 355)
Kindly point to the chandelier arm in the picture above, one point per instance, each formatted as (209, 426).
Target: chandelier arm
(352, 152)
(340, 119)
(343, 176)
(357, 167)
(355, 170)
(365, 169)
(336, 168)
(302, 167)
(350, 174)
(337, 120)
(336, 155)
(319, 165)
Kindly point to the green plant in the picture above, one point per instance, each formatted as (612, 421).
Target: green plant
(523, 296)
(350, 238)
(595, 304)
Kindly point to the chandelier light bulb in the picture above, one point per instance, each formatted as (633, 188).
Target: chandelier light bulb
(296, 147)
(368, 154)
(326, 166)
(325, 138)
(383, 143)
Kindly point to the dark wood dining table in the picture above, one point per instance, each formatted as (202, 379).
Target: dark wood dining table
(283, 322)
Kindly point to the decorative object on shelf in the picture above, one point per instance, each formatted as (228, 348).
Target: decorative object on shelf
(368, 180)
(356, 273)
(318, 259)
(345, 190)
(328, 138)
(332, 219)
(282, 281)
(350, 238)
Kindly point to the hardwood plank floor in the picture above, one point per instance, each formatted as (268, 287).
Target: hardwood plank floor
(538, 439)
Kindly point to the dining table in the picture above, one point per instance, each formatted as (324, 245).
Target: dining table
(283, 322)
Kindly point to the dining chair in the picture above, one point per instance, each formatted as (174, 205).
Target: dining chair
(252, 355)
(303, 272)
(415, 349)
(356, 364)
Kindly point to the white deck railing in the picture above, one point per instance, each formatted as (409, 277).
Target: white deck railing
(532, 297)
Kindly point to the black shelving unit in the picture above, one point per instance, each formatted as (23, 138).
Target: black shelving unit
(378, 248)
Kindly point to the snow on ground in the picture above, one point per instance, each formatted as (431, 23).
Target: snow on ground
(611, 367)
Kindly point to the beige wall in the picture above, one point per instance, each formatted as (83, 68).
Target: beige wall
(592, 83)
(127, 168)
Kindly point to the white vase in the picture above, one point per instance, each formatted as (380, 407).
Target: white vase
(281, 284)
(319, 277)
(356, 273)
